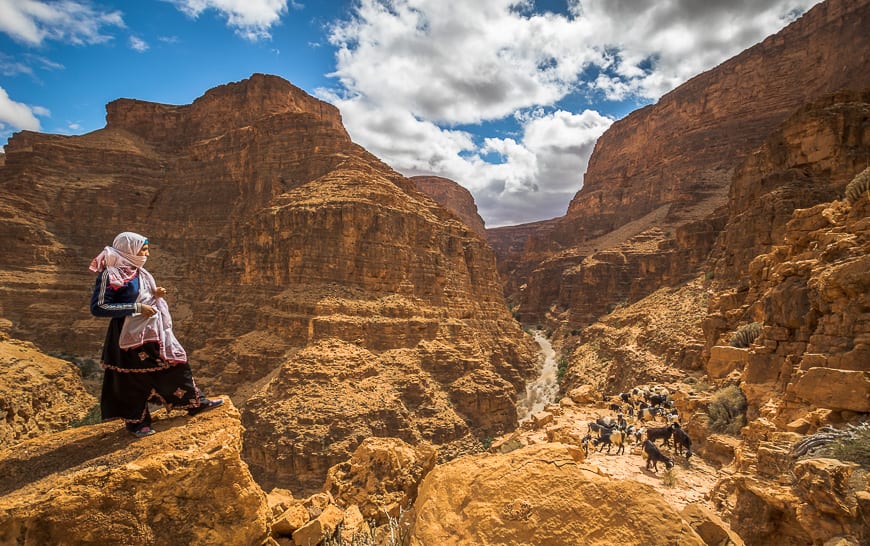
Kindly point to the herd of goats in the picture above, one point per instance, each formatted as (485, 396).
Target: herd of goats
(641, 405)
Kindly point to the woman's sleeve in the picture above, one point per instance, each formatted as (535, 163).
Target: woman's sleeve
(104, 301)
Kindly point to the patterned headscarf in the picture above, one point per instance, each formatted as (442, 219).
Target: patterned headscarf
(120, 259)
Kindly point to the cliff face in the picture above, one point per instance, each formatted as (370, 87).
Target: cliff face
(452, 197)
(278, 238)
(670, 164)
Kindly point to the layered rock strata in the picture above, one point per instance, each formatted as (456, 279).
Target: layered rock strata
(452, 197)
(669, 165)
(289, 252)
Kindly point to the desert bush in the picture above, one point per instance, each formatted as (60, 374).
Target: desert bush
(745, 335)
(858, 186)
(669, 477)
(848, 444)
(93, 417)
(726, 412)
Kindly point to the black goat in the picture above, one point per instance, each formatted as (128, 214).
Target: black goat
(682, 440)
(654, 456)
(599, 429)
(625, 397)
(657, 399)
(615, 407)
(660, 433)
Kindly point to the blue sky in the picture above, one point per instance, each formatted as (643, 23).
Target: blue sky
(505, 97)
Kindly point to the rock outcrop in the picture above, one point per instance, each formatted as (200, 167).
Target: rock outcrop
(452, 197)
(38, 393)
(289, 252)
(98, 485)
(668, 167)
(541, 494)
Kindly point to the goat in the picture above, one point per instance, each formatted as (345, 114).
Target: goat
(638, 434)
(660, 433)
(682, 440)
(625, 397)
(652, 455)
(584, 443)
(649, 413)
(616, 437)
(657, 399)
(597, 428)
(615, 407)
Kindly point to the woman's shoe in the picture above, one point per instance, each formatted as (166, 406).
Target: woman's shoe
(142, 431)
(205, 404)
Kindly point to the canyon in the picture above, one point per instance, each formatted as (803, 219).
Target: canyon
(366, 329)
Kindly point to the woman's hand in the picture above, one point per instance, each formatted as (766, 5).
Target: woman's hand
(148, 310)
(159, 292)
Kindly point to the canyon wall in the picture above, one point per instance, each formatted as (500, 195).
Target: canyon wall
(278, 239)
(669, 165)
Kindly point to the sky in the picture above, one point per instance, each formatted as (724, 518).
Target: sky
(505, 97)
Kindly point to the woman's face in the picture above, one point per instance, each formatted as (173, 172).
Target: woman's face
(143, 251)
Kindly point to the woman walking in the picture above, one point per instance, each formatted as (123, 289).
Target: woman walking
(142, 359)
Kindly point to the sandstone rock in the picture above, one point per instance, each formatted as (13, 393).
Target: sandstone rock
(310, 240)
(280, 500)
(354, 528)
(710, 527)
(294, 517)
(835, 389)
(382, 473)
(96, 484)
(454, 198)
(584, 394)
(724, 360)
(533, 496)
(542, 419)
(720, 449)
(671, 164)
(319, 529)
(38, 393)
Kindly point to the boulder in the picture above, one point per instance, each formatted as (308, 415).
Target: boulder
(835, 389)
(382, 474)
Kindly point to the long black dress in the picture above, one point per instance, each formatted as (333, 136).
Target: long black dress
(135, 376)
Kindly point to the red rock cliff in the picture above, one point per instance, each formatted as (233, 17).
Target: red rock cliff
(279, 239)
(669, 165)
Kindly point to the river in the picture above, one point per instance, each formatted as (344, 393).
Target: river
(545, 387)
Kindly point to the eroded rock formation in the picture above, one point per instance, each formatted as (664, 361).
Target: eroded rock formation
(290, 253)
(668, 167)
(551, 497)
(98, 485)
(452, 197)
(38, 393)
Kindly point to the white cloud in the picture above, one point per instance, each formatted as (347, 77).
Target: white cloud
(411, 72)
(34, 21)
(251, 19)
(138, 44)
(18, 116)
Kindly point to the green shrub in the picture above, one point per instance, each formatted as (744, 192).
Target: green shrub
(745, 335)
(93, 417)
(726, 412)
(858, 186)
(854, 447)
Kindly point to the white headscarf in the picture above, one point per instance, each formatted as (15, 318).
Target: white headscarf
(122, 263)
